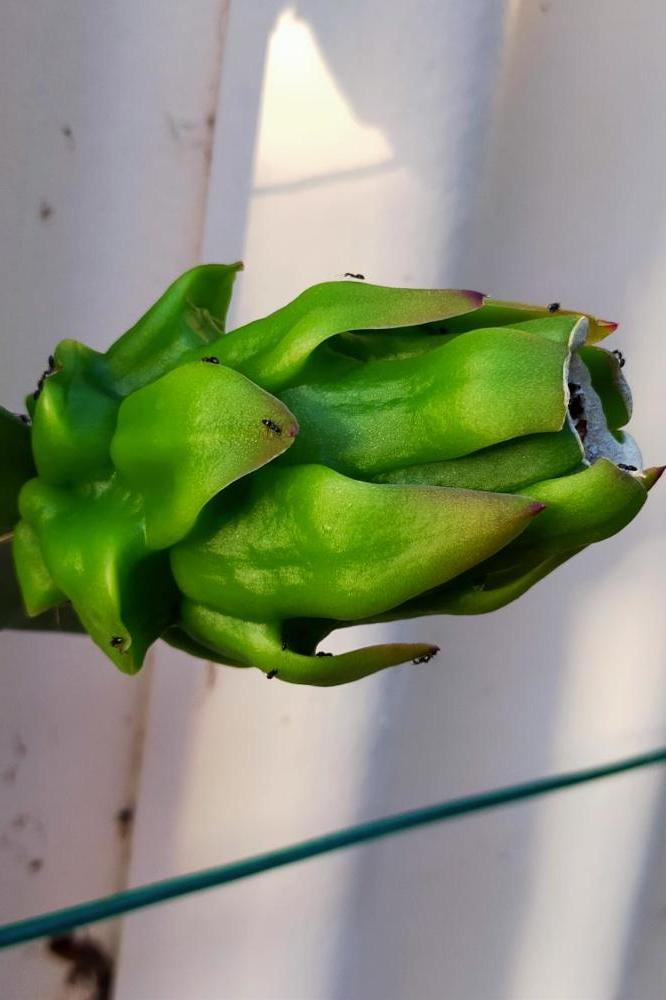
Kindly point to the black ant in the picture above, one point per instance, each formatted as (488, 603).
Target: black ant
(627, 468)
(576, 408)
(271, 674)
(117, 641)
(619, 356)
(272, 426)
(212, 360)
(323, 654)
(359, 277)
(554, 307)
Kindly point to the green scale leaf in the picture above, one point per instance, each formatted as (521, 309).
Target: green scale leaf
(188, 435)
(503, 468)
(472, 392)
(191, 313)
(580, 509)
(74, 417)
(88, 545)
(227, 640)
(273, 351)
(308, 541)
(502, 314)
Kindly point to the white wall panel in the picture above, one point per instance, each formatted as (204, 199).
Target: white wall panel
(105, 132)
(419, 144)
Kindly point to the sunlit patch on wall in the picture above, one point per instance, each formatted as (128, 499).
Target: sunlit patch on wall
(308, 133)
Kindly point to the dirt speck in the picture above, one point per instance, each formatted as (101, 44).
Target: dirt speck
(69, 136)
(35, 865)
(89, 963)
(124, 821)
(45, 210)
(24, 821)
(18, 751)
(192, 133)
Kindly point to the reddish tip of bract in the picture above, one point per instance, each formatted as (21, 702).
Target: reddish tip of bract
(653, 475)
(535, 508)
(476, 298)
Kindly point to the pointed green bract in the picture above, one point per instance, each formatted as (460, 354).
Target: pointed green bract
(507, 314)
(260, 644)
(583, 508)
(310, 541)
(567, 330)
(185, 437)
(74, 418)
(92, 544)
(191, 312)
(580, 509)
(504, 468)
(273, 351)
(38, 587)
(479, 596)
(388, 345)
(472, 392)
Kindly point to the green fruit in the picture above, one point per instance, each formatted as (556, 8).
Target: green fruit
(363, 454)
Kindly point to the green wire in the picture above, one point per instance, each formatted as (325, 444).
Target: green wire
(61, 921)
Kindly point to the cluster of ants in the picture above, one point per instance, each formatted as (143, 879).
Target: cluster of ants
(577, 409)
(43, 377)
(40, 385)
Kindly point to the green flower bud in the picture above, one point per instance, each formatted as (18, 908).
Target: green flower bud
(363, 454)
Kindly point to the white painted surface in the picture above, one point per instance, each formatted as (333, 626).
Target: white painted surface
(356, 136)
(102, 187)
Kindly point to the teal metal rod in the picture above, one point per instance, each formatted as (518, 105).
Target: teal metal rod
(61, 921)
